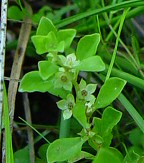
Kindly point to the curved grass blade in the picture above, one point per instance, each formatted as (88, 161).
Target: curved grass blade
(132, 3)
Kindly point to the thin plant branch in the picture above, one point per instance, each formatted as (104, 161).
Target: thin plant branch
(29, 130)
(18, 61)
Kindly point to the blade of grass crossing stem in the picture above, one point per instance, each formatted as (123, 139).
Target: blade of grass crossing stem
(8, 136)
(34, 130)
(116, 45)
(132, 111)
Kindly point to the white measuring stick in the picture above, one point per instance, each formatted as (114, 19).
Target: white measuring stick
(3, 24)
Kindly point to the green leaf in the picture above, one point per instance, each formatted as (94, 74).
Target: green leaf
(96, 142)
(6, 126)
(110, 118)
(22, 156)
(45, 26)
(32, 82)
(91, 64)
(103, 127)
(109, 92)
(107, 137)
(47, 69)
(42, 151)
(97, 125)
(66, 35)
(15, 13)
(64, 149)
(82, 155)
(87, 46)
(132, 156)
(47, 43)
(40, 43)
(110, 155)
(79, 112)
(136, 137)
(40, 13)
(141, 160)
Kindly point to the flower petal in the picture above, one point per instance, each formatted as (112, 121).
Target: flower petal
(67, 114)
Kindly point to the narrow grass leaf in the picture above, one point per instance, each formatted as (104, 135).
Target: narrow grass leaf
(132, 111)
(34, 130)
(8, 136)
(118, 6)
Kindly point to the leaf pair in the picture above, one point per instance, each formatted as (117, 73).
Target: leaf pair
(48, 39)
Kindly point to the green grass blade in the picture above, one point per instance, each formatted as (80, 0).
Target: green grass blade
(8, 136)
(34, 130)
(116, 45)
(131, 14)
(132, 3)
(132, 111)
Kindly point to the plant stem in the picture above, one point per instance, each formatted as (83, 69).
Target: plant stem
(64, 127)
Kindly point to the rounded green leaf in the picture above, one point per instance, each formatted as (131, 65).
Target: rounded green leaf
(32, 82)
(47, 43)
(40, 43)
(66, 35)
(64, 149)
(109, 92)
(22, 156)
(42, 151)
(47, 69)
(92, 64)
(15, 13)
(87, 46)
(136, 137)
(110, 118)
(108, 155)
(45, 26)
(40, 13)
(82, 155)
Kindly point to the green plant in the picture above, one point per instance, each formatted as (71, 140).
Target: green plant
(59, 75)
